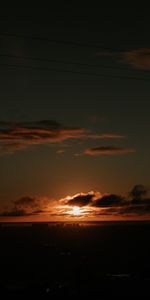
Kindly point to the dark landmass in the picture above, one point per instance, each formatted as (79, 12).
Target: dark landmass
(96, 260)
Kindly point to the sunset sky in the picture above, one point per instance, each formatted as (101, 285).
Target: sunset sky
(74, 117)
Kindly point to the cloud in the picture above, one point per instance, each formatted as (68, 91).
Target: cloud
(136, 209)
(108, 211)
(139, 58)
(32, 204)
(108, 150)
(126, 209)
(60, 151)
(109, 200)
(20, 135)
(94, 199)
(27, 206)
(92, 204)
(14, 213)
(116, 205)
(81, 199)
(137, 192)
(97, 205)
(27, 202)
(107, 136)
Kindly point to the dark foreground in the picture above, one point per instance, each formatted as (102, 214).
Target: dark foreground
(90, 262)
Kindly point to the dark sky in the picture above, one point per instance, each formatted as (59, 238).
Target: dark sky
(45, 75)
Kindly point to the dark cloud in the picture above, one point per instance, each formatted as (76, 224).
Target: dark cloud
(81, 200)
(109, 150)
(26, 206)
(14, 213)
(136, 209)
(126, 209)
(137, 192)
(31, 204)
(109, 200)
(108, 211)
(114, 205)
(119, 206)
(20, 135)
(27, 202)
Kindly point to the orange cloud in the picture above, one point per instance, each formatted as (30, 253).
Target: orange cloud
(108, 150)
(139, 58)
(91, 205)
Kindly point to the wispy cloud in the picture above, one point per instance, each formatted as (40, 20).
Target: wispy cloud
(107, 136)
(137, 58)
(21, 135)
(27, 206)
(109, 150)
(60, 151)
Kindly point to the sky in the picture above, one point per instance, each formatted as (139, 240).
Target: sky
(74, 97)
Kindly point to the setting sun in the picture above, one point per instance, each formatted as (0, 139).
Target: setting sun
(76, 211)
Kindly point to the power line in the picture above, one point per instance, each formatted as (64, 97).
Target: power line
(74, 72)
(66, 62)
(71, 43)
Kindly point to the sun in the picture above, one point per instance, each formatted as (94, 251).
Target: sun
(76, 211)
